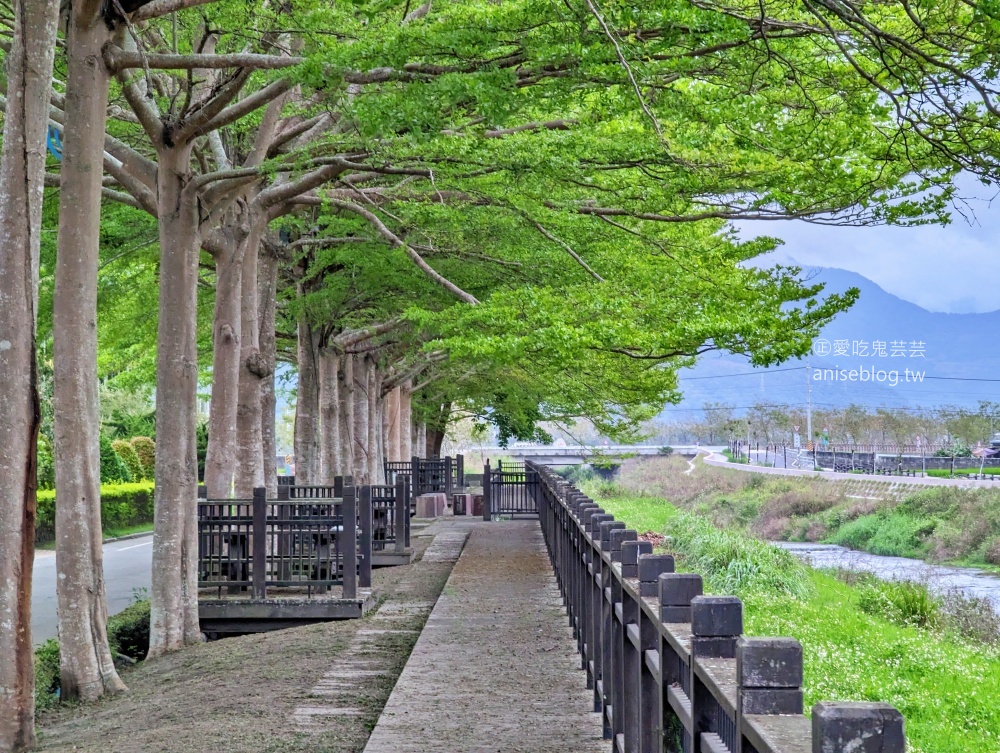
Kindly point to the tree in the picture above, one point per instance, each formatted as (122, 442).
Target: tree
(22, 171)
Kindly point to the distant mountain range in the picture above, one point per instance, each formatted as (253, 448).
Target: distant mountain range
(882, 351)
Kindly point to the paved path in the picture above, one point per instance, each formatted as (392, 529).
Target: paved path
(721, 461)
(495, 667)
(127, 567)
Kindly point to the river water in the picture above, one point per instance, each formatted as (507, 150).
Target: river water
(938, 578)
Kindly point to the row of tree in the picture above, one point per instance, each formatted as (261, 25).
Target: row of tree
(514, 211)
(772, 423)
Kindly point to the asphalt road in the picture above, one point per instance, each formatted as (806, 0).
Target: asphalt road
(127, 567)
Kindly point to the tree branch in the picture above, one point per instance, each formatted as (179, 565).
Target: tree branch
(397, 242)
(118, 60)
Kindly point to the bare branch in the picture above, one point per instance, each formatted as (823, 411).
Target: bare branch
(118, 60)
(158, 8)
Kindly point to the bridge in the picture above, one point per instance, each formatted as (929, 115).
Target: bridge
(550, 455)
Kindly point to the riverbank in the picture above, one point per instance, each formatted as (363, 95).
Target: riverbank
(936, 523)
(861, 641)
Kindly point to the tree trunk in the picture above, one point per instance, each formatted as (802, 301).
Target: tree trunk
(307, 406)
(329, 391)
(249, 439)
(220, 460)
(87, 670)
(361, 420)
(347, 415)
(421, 448)
(22, 168)
(174, 595)
(392, 420)
(374, 421)
(405, 421)
(268, 282)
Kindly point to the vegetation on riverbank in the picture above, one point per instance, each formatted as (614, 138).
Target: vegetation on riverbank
(863, 639)
(937, 524)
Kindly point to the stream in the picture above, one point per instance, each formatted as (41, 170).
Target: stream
(939, 578)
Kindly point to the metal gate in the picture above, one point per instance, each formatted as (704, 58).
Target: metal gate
(510, 492)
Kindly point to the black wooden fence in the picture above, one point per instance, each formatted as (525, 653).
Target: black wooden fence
(429, 475)
(511, 492)
(307, 538)
(669, 668)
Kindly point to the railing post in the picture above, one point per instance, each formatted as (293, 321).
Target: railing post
(448, 466)
(768, 678)
(402, 514)
(365, 537)
(487, 493)
(857, 727)
(408, 496)
(630, 556)
(349, 543)
(415, 481)
(283, 495)
(716, 624)
(460, 473)
(338, 486)
(259, 542)
(618, 538)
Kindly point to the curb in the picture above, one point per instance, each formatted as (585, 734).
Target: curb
(129, 537)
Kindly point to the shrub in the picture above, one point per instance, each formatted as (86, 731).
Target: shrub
(128, 635)
(47, 674)
(128, 631)
(128, 456)
(122, 506)
(902, 602)
(146, 450)
(113, 470)
(46, 464)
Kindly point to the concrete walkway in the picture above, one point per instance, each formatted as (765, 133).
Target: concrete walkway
(495, 668)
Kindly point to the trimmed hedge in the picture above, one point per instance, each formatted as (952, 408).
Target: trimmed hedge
(113, 470)
(122, 506)
(145, 448)
(129, 457)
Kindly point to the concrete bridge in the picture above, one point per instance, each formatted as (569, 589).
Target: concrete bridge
(578, 454)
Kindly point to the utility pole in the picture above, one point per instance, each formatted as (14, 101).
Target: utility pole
(809, 411)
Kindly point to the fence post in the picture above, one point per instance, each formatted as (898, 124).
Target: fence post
(460, 472)
(259, 542)
(338, 486)
(415, 482)
(676, 591)
(283, 493)
(449, 465)
(487, 494)
(618, 538)
(630, 556)
(768, 678)
(857, 727)
(365, 537)
(716, 624)
(349, 543)
(402, 514)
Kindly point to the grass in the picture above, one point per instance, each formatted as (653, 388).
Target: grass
(942, 473)
(109, 533)
(936, 524)
(869, 642)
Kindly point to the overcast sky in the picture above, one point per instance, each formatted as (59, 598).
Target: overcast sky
(955, 268)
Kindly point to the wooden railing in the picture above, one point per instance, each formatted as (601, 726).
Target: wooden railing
(310, 542)
(429, 475)
(669, 668)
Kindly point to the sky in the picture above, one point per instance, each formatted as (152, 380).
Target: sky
(953, 268)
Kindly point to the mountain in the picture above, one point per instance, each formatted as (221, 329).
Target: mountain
(864, 357)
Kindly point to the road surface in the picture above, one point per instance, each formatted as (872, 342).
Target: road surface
(127, 567)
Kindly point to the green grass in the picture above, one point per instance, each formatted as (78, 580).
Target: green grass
(867, 643)
(943, 473)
